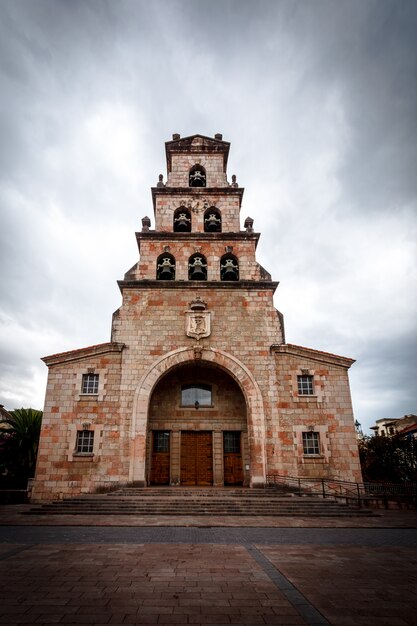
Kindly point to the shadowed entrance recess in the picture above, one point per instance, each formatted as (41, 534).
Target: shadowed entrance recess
(197, 430)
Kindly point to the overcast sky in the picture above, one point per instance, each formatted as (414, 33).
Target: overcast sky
(319, 102)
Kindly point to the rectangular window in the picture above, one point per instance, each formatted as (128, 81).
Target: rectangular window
(85, 442)
(231, 442)
(311, 443)
(90, 383)
(160, 441)
(305, 385)
(196, 395)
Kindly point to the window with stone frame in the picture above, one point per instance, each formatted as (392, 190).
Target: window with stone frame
(311, 443)
(85, 442)
(90, 384)
(305, 384)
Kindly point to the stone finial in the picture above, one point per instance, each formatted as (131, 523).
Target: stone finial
(218, 136)
(146, 224)
(249, 225)
(160, 182)
(176, 136)
(234, 183)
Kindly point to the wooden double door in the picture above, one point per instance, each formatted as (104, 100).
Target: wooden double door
(196, 458)
(192, 453)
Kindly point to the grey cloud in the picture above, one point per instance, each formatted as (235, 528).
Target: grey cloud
(309, 94)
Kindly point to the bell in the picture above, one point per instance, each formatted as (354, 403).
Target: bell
(230, 273)
(166, 273)
(197, 178)
(212, 223)
(197, 273)
(229, 270)
(182, 223)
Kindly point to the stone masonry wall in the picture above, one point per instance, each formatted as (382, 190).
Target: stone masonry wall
(182, 249)
(182, 163)
(328, 412)
(60, 472)
(227, 204)
(151, 323)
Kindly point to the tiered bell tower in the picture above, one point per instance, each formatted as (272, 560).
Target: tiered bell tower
(205, 294)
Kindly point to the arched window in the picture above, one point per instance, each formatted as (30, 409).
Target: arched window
(165, 267)
(182, 220)
(197, 267)
(229, 267)
(196, 395)
(212, 220)
(197, 176)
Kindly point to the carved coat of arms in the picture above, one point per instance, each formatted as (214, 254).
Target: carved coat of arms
(197, 320)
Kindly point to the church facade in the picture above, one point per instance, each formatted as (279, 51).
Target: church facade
(197, 385)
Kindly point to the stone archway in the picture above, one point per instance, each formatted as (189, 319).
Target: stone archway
(236, 369)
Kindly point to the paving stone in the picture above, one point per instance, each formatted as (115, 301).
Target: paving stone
(347, 584)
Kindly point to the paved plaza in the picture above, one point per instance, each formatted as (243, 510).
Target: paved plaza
(342, 575)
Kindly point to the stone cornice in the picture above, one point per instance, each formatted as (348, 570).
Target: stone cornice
(154, 235)
(83, 353)
(314, 355)
(196, 192)
(194, 284)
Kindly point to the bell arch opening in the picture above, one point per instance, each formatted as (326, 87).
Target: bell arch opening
(197, 429)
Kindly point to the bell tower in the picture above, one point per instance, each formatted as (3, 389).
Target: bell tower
(197, 234)
(196, 254)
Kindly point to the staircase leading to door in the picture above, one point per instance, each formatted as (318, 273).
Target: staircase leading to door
(176, 501)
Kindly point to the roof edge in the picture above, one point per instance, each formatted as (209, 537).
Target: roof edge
(180, 144)
(315, 355)
(83, 353)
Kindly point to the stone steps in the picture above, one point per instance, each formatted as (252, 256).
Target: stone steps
(211, 501)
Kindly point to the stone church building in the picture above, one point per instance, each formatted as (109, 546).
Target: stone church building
(197, 385)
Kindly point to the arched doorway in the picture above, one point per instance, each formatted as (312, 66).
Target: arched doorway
(197, 428)
(225, 362)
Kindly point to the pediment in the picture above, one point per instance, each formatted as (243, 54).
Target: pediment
(197, 144)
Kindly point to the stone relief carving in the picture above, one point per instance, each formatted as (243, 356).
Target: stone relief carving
(194, 205)
(197, 320)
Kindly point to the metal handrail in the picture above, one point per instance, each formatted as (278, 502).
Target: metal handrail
(347, 490)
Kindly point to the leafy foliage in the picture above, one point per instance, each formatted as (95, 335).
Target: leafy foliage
(389, 459)
(19, 439)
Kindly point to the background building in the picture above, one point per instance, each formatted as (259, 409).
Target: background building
(197, 385)
(394, 425)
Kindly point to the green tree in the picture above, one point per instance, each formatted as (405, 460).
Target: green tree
(389, 459)
(19, 439)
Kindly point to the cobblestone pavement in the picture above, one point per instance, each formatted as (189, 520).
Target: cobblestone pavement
(302, 536)
(247, 576)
